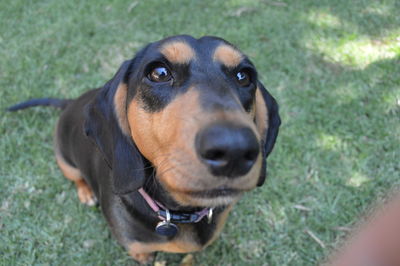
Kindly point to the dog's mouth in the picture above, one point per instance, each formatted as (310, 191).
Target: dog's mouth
(213, 197)
(217, 192)
(197, 187)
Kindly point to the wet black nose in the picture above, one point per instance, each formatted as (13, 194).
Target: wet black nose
(227, 149)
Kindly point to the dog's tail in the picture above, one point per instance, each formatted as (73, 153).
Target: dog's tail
(58, 103)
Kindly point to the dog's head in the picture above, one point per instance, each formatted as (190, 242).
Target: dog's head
(195, 109)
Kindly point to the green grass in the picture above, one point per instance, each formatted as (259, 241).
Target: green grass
(333, 65)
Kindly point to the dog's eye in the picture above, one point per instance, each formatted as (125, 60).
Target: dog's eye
(243, 78)
(159, 74)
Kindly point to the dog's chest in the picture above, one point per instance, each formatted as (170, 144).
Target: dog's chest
(186, 241)
(196, 237)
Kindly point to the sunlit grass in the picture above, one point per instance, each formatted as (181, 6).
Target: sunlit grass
(356, 51)
(324, 19)
(330, 142)
(357, 180)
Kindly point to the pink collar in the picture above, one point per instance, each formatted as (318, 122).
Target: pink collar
(165, 215)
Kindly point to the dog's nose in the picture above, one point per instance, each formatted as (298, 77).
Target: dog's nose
(227, 149)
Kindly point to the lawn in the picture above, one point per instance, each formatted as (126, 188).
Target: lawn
(332, 65)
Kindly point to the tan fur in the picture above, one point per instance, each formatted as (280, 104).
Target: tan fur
(142, 258)
(261, 113)
(85, 194)
(178, 52)
(184, 242)
(227, 55)
(167, 139)
(120, 107)
(69, 171)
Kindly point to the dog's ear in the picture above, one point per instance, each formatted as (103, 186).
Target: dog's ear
(106, 124)
(267, 121)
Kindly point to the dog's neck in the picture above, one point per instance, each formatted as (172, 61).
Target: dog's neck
(156, 191)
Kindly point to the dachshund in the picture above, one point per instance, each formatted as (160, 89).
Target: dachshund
(169, 144)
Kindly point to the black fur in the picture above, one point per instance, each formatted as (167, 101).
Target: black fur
(274, 121)
(119, 151)
(89, 138)
(58, 103)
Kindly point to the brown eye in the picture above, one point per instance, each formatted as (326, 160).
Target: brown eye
(159, 74)
(243, 78)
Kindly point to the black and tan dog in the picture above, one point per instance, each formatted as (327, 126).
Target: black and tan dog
(187, 123)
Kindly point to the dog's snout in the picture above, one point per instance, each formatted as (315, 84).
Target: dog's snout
(227, 149)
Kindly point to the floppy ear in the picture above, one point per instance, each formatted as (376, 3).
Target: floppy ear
(267, 121)
(107, 126)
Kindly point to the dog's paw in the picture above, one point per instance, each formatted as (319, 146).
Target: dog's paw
(85, 194)
(143, 258)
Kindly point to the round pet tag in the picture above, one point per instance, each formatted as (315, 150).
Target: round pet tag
(166, 229)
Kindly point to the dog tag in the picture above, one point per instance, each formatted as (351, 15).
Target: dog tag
(166, 229)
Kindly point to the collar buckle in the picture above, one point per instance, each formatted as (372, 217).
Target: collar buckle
(209, 215)
(179, 217)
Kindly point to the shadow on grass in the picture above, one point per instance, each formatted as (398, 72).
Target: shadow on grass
(338, 149)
